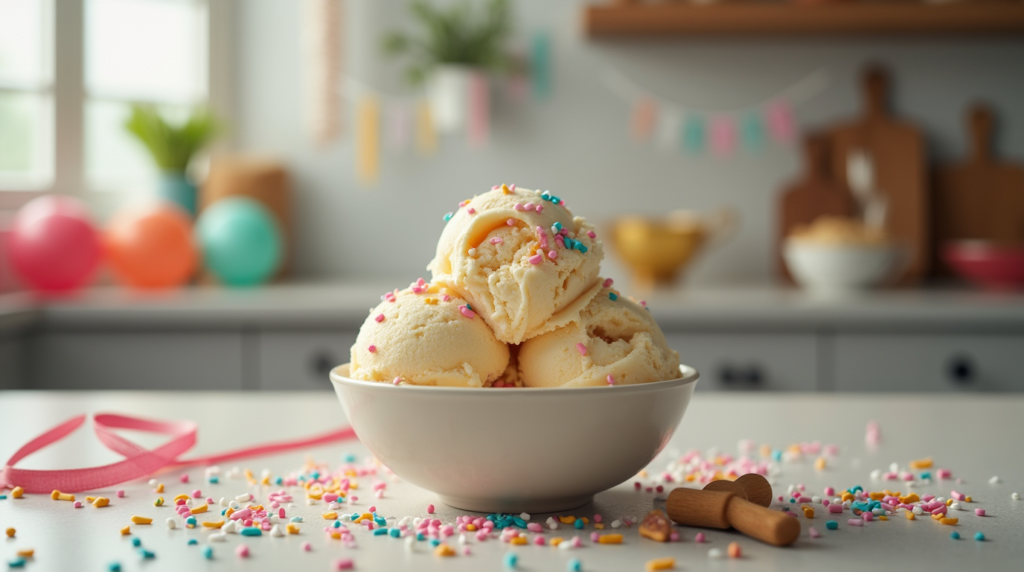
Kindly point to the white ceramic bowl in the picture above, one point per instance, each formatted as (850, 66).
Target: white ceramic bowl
(841, 268)
(516, 449)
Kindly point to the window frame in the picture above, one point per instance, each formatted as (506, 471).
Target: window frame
(69, 97)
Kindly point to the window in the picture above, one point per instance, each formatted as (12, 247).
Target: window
(68, 73)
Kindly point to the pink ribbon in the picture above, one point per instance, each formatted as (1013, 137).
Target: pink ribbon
(138, 462)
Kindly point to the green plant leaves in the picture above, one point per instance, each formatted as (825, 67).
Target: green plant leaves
(172, 146)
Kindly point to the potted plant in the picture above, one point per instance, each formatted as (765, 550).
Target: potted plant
(172, 146)
(454, 46)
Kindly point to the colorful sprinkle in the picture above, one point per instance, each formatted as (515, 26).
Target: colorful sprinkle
(580, 347)
(372, 349)
(379, 318)
(467, 311)
(611, 381)
(536, 259)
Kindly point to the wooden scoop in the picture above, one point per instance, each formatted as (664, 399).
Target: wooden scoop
(727, 505)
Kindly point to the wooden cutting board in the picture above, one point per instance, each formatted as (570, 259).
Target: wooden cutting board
(897, 151)
(813, 195)
(981, 197)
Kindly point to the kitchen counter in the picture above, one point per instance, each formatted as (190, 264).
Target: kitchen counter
(976, 437)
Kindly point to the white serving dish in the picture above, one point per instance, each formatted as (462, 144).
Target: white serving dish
(841, 268)
(515, 449)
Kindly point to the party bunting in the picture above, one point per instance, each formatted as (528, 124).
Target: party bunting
(479, 109)
(368, 140)
(723, 136)
(645, 112)
(426, 135)
(540, 65)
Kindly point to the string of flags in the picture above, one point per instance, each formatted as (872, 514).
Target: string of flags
(672, 126)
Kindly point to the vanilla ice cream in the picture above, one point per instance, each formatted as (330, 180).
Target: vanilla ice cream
(613, 341)
(520, 257)
(427, 335)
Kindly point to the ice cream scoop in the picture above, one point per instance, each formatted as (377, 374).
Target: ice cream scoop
(521, 258)
(614, 340)
(427, 335)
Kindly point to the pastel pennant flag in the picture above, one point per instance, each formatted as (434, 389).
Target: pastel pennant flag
(368, 140)
(645, 112)
(667, 136)
(723, 136)
(426, 134)
(479, 109)
(752, 132)
(540, 65)
(780, 122)
(399, 120)
(694, 134)
(518, 87)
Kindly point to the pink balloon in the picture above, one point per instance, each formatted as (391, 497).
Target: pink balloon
(53, 244)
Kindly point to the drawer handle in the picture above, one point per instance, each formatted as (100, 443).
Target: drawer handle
(961, 370)
(322, 364)
(729, 374)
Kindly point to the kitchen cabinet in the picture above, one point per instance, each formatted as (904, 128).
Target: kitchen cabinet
(301, 360)
(11, 362)
(749, 361)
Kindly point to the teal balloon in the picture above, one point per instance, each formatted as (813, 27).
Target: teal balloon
(694, 134)
(752, 132)
(241, 241)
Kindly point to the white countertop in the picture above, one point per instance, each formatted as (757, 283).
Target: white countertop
(974, 436)
(345, 305)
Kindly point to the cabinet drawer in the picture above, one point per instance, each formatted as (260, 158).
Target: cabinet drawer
(301, 360)
(929, 362)
(136, 360)
(777, 362)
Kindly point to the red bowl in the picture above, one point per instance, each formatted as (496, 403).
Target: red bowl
(988, 264)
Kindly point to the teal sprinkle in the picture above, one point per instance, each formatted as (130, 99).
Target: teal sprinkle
(575, 565)
(18, 562)
(776, 455)
(146, 554)
(214, 479)
(877, 511)
(278, 481)
(434, 542)
(861, 506)
(315, 475)
(208, 552)
(191, 542)
(136, 542)
(557, 226)
(3, 497)
(395, 533)
(295, 519)
(350, 458)
(519, 522)
(926, 475)
(448, 217)
(469, 307)
(380, 521)
(955, 536)
(511, 560)
(832, 525)
(223, 511)
(191, 520)
(979, 536)
(251, 531)
(355, 515)
(785, 509)
(578, 524)
(857, 489)
(613, 296)
(792, 500)
(380, 531)
(114, 567)
(337, 524)
(420, 536)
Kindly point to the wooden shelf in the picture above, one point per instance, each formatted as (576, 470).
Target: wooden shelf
(676, 18)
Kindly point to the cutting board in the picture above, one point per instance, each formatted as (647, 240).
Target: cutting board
(813, 195)
(981, 197)
(897, 151)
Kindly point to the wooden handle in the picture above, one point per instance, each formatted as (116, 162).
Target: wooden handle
(769, 526)
(705, 509)
(980, 124)
(876, 91)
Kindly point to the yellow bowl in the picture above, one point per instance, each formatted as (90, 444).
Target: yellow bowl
(657, 249)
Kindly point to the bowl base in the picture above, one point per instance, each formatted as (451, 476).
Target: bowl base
(513, 506)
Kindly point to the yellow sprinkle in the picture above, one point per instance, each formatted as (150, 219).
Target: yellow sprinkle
(444, 550)
(330, 516)
(949, 502)
(159, 501)
(968, 499)
(820, 464)
(518, 540)
(11, 532)
(199, 509)
(217, 524)
(89, 499)
(27, 553)
(353, 484)
(808, 512)
(55, 494)
(585, 520)
(949, 521)
(505, 190)
(430, 301)
(336, 534)
(567, 519)
(292, 528)
(142, 520)
(17, 492)
(126, 531)
(555, 541)
(610, 539)
(229, 512)
(471, 527)
(937, 517)
(643, 473)
(265, 481)
(248, 476)
(160, 487)
(883, 517)
(912, 497)
(599, 526)
(180, 497)
(876, 496)
(67, 497)
(364, 516)
(921, 463)
(101, 502)
(315, 496)
(660, 564)
(848, 497)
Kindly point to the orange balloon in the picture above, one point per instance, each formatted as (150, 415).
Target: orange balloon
(151, 246)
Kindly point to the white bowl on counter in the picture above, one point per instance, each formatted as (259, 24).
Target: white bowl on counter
(515, 450)
(841, 268)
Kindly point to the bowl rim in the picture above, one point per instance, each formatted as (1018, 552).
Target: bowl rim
(690, 375)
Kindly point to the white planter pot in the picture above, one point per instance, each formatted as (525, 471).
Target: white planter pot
(448, 91)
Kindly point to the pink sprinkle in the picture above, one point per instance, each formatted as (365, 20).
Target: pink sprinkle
(495, 187)
(497, 240)
(242, 551)
(674, 537)
(534, 527)
(281, 513)
(835, 508)
(209, 500)
(467, 312)
(511, 222)
(594, 537)
(643, 303)
(120, 493)
(576, 542)
(446, 298)
(466, 551)
(397, 381)
(536, 259)
(379, 494)
(379, 318)
(979, 512)
(581, 348)
(512, 187)
(307, 547)
(372, 508)
(958, 496)
(539, 208)
(343, 564)
(829, 491)
(516, 207)
(197, 494)
(538, 540)
(868, 517)
(78, 504)
(814, 532)
(855, 522)
(184, 478)
(430, 509)
(611, 381)
(608, 282)
(552, 254)
(591, 234)
(637, 485)
(471, 210)
(597, 518)
(372, 349)
(699, 537)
